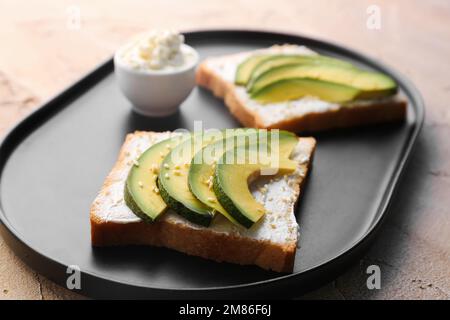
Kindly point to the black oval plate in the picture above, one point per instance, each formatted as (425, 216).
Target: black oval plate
(54, 162)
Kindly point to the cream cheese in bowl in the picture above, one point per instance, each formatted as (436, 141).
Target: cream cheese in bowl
(156, 72)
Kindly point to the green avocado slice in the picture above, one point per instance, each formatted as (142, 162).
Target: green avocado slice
(245, 68)
(141, 193)
(257, 63)
(173, 179)
(373, 84)
(284, 60)
(291, 89)
(231, 182)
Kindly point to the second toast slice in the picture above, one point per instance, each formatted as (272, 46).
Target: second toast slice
(306, 114)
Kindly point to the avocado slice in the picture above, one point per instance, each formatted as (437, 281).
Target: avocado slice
(201, 173)
(245, 68)
(173, 179)
(231, 180)
(371, 84)
(141, 193)
(202, 167)
(291, 89)
(255, 62)
(284, 60)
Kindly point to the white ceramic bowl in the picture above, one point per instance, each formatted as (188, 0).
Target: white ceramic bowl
(156, 93)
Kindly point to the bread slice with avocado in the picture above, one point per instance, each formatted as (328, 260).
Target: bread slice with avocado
(270, 243)
(291, 87)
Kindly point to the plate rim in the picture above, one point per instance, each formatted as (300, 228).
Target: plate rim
(40, 115)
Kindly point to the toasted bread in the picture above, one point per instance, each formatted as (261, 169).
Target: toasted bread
(306, 114)
(270, 244)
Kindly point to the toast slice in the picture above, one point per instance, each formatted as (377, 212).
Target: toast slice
(306, 114)
(271, 243)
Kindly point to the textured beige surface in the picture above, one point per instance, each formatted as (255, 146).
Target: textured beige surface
(40, 55)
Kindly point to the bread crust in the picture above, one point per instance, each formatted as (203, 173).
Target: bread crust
(344, 117)
(201, 242)
(196, 242)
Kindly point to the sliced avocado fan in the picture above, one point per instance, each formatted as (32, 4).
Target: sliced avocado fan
(141, 193)
(258, 63)
(272, 78)
(167, 175)
(284, 60)
(373, 84)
